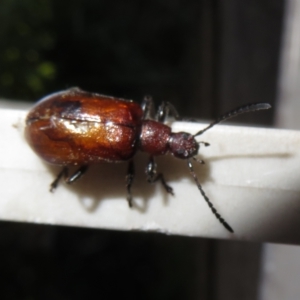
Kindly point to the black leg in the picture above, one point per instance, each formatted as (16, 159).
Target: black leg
(77, 174)
(153, 177)
(68, 179)
(62, 173)
(148, 108)
(164, 111)
(129, 181)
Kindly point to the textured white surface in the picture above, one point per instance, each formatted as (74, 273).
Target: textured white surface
(251, 175)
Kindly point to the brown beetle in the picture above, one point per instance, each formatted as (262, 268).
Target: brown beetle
(75, 127)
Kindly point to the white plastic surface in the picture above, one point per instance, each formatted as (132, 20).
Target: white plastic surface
(251, 175)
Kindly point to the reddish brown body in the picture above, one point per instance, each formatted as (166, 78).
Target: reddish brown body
(75, 127)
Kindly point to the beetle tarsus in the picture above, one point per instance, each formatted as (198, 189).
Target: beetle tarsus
(129, 181)
(148, 108)
(164, 111)
(160, 177)
(153, 177)
(62, 173)
(168, 188)
(129, 200)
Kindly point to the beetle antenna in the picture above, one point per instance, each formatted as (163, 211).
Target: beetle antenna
(214, 211)
(233, 113)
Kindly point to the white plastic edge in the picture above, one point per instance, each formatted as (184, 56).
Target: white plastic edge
(252, 175)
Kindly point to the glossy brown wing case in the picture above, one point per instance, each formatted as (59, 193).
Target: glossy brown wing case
(77, 127)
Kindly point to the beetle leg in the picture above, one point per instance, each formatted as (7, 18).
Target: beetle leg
(153, 177)
(164, 111)
(148, 108)
(62, 173)
(76, 175)
(129, 181)
(68, 179)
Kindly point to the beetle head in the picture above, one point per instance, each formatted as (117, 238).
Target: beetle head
(183, 145)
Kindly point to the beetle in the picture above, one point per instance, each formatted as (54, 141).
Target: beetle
(79, 128)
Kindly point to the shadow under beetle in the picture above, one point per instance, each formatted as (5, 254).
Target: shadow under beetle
(75, 127)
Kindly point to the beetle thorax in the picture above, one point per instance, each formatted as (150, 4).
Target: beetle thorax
(154, 138)
(157, 139)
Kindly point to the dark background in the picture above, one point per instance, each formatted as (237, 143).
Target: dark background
(203, 56)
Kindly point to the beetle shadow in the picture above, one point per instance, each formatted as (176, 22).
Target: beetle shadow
(107, 181)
